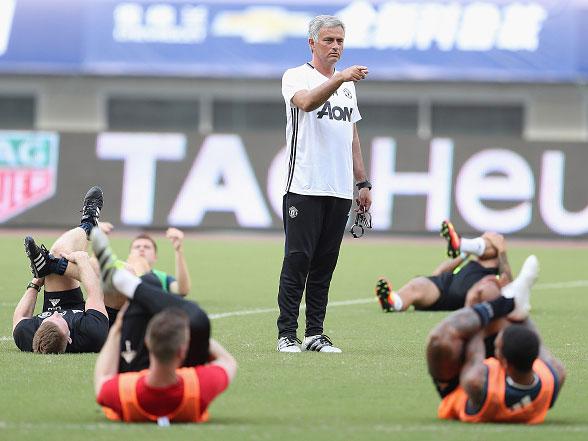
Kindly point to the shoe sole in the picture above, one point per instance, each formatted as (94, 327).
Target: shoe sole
(383, 290)
(27, 241)
(450, 235)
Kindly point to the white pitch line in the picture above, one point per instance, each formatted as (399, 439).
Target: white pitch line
(539, 286)
(268, 310)
(213, 316)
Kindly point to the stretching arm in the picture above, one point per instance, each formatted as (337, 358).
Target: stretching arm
(221, 357)
(109, 356)
(87, 276)
(310, 99)
(473, 373)
(182, 284)
(26, 305)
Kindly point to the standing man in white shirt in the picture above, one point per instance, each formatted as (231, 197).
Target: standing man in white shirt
(325, 157)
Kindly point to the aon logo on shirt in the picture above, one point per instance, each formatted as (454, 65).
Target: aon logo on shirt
(337, 113)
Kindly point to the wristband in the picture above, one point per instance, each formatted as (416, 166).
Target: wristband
(364, 184)
(32, 285)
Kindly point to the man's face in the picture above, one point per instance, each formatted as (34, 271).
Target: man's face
(58, 319)
(144, 248)
(329, 47)
(486, 289)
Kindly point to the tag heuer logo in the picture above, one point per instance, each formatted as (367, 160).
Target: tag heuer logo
(347, 93)
(293, 211)
(28, 170)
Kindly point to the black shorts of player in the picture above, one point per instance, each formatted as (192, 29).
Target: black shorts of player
(149, 300)
(147, 278)
(112, 313)
(453, 287)
(58, 300)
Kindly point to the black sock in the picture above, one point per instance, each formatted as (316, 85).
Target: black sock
(57, 266)
(494, 309)
(87, 226)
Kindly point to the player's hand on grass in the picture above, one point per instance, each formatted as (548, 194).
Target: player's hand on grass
(364, 200)
(105, 227)
(354, 73)
(176, 237)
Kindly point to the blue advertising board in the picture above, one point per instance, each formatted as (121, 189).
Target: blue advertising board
(481, 40)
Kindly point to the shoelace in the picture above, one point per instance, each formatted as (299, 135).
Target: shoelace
(320, 342)
(289, 341)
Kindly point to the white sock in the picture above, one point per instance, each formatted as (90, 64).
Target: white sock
(125, 282)
(398, 303)
(475, 246)
(525, 280)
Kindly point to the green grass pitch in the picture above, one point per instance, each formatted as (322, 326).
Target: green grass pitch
(377, 389)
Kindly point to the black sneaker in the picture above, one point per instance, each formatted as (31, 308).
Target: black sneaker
(38, 256)
(93, 202)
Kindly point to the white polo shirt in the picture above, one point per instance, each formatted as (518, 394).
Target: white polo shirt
(320, 160)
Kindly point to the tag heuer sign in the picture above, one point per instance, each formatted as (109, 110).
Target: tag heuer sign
(28, 170)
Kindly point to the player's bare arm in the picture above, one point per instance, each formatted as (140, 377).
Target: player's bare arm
(498, 242)
(221, 357)
(473, 373)
(183, 283)
(109, 356)
(309, 100)
(364, 198)
(87, 275)
(26, 305)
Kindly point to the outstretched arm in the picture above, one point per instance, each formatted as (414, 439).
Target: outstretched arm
(309, 100)
(109, 356)
(26, 305)
(183, 284)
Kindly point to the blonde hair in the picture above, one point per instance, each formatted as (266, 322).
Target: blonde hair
(49, 339)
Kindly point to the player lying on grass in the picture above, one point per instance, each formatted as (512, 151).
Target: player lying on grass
(449, 288)
(177, 334)
(519, 384)
(143, 256)
(67, 323)
(140, 261)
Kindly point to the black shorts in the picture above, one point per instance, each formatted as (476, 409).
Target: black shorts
(453, 287)
(59, 300)
(112, 313)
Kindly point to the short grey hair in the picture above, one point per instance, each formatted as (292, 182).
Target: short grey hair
(322, 21)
